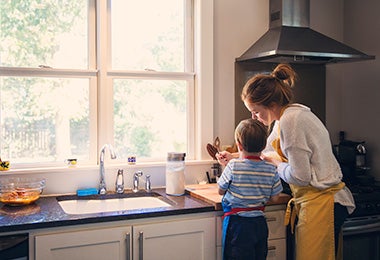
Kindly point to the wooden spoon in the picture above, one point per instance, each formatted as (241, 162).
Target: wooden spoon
(212, 151)
(217, 143)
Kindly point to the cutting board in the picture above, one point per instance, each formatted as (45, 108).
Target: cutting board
(206, 192)
(209, 193)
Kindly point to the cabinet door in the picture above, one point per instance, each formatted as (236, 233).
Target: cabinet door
(187, 239)
(275, 220)
(110, 243)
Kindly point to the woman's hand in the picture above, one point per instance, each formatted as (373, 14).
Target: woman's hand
(224, 157)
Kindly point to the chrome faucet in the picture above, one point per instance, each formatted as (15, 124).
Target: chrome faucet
(102, 185)
(136, 177)
(119, 184)
(148, 184)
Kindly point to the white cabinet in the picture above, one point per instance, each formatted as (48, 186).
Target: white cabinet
(276, 236)
(188, 239)
(169, 240)
(110, 243)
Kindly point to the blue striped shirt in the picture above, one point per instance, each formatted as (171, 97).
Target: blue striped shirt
(249, 184)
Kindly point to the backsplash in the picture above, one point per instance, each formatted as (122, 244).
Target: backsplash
(69, 180)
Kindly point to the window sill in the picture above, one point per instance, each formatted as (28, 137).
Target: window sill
(79, 168)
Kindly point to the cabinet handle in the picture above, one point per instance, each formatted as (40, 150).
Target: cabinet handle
(270, 248)
(271, 219)
(128, 242)
(141, 239)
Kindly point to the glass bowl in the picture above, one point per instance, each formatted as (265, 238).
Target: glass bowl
(20, 191)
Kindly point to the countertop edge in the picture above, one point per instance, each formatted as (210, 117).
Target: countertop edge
(46, 212)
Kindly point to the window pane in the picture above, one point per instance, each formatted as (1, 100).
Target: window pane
(44, 119)
(150, 117)
(148, 34)
(51, 33)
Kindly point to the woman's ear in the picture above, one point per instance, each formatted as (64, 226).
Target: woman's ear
(272, 105)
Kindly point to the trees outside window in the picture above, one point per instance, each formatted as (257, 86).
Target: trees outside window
(76, 74)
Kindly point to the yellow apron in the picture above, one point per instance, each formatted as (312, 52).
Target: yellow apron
(315, 211)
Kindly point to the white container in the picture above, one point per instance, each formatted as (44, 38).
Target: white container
(175, 174)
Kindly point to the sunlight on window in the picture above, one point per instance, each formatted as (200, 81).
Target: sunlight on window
(44, 120)
(150, 117)
(50, 33)
(148, 35)
(59, 99)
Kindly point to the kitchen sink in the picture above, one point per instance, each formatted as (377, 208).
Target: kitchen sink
(72, 204)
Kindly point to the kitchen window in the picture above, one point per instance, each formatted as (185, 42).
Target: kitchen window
(77, 74)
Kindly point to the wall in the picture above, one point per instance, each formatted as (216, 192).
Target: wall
(361, 83)
(352, 91)
(353, 102)
(62, 181)
(237, 24)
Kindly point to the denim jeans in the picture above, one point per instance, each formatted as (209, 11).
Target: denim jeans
(246, 238)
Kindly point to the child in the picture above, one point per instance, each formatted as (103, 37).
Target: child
(247, 183)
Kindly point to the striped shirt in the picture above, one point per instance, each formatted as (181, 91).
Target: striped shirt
(249, 184)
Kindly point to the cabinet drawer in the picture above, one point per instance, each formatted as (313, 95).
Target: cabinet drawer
(277, 249)
(275, 220)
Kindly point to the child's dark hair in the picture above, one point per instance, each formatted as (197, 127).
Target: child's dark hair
(252, 135)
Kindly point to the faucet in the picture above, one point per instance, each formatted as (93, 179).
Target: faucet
(148, 184)
(102, 185)
(119, 185)
(136, 177)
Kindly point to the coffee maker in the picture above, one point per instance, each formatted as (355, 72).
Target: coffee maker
(352, 157)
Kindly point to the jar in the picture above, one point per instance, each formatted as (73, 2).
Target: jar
(175, 174)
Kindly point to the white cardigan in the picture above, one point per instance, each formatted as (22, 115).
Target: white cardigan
(305, 141)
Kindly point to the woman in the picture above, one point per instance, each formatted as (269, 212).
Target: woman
(304, 159)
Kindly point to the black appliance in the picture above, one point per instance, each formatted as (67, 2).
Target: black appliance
(361, 231)
(351, 156)
(353, 162)
(14, 247)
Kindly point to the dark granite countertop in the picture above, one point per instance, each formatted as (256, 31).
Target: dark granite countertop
(47, 213)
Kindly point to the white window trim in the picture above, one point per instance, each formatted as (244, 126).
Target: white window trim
(204, 85)
(204, 81)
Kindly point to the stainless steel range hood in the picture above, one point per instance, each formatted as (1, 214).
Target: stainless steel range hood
(290, 40)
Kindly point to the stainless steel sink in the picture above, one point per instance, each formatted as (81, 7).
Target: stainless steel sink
(72, 204)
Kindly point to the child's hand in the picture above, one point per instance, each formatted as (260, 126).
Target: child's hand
(223, 157)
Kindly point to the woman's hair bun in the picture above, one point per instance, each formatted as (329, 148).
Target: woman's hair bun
(285, 72)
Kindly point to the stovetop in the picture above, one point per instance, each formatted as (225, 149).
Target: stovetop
(367, 200)
(365, 192)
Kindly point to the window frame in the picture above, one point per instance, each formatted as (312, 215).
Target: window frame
(199, 76)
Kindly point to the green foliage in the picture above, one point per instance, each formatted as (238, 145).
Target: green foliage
(29, 29)
(29, 36)
(31, 32)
